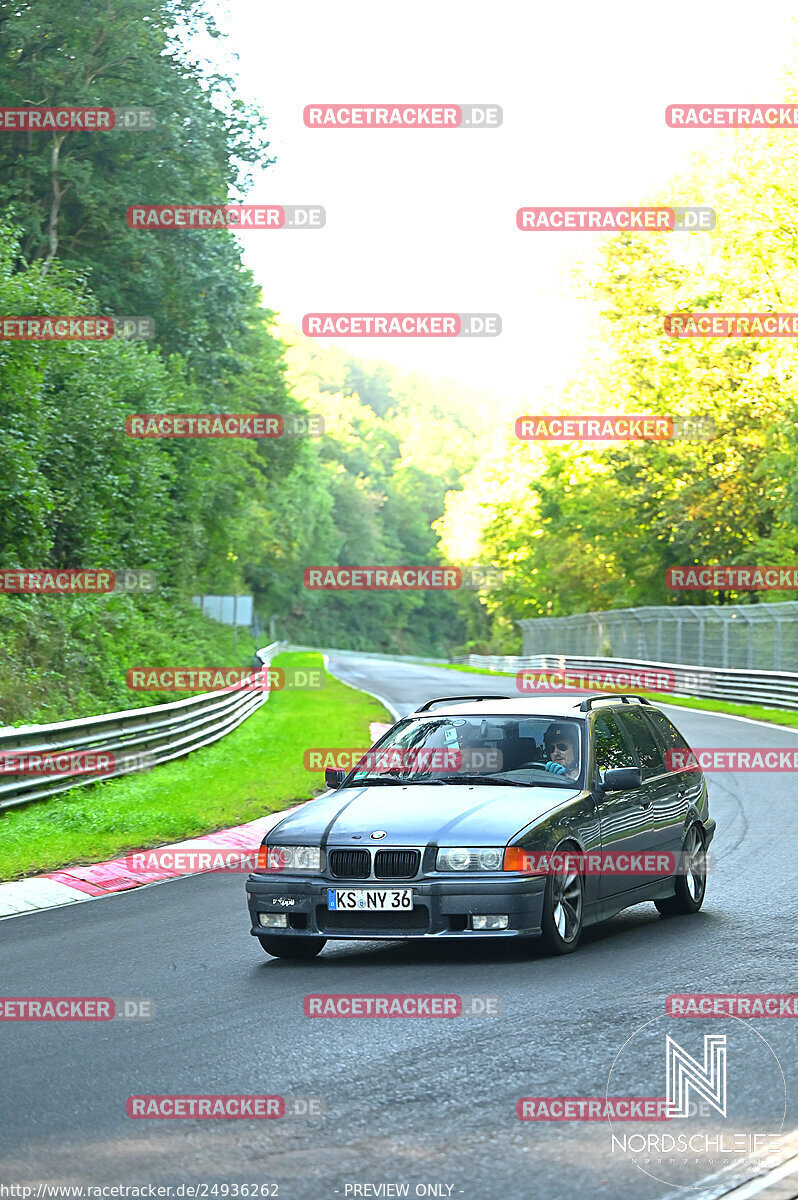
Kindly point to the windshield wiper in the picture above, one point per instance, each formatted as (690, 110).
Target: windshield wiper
(374, 779)
(481, 779)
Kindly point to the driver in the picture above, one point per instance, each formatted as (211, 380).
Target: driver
(561, 742)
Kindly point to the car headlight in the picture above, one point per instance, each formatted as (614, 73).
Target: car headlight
(470, 858)
(289, 858)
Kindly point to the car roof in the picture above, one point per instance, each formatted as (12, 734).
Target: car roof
(533, 706)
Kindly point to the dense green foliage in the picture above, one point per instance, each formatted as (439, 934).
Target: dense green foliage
(394, 446)
(206, 515)
(64, 656)
(408, 471)
(585, 527)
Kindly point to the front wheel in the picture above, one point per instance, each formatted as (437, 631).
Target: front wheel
(291, 947)
(691, 885)
(563, 904)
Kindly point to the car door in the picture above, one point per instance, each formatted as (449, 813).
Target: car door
(625, 817)
(659, 783)
(672, 805)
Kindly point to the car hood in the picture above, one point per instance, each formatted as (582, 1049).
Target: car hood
(449, 814)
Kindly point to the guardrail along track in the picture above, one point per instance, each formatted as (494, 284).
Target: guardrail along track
(138, 738)
(738, 686)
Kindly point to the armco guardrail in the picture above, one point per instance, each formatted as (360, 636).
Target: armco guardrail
(138, 738)
(779, 688)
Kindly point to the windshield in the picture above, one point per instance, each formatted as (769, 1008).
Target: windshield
(542, 751)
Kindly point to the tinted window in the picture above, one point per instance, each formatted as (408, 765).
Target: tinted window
(670, 737)
(651, 760)
(611, 749)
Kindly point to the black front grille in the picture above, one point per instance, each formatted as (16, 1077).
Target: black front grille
(397, 864)
(416, 920)
(350, 864)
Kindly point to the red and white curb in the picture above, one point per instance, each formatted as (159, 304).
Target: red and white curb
(73, 884)
(104, 879)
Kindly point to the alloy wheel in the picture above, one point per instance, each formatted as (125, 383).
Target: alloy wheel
(566, 896)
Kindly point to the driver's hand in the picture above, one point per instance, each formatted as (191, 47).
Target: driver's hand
(555, 768)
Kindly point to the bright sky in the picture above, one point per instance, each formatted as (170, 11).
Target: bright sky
(424, 220)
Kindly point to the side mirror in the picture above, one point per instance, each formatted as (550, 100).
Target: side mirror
(334, 776)
(622, 779)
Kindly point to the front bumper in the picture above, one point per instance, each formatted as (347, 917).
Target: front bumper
(441, 908)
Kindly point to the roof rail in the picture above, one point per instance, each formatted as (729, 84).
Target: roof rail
(453, 699)
(588, 702)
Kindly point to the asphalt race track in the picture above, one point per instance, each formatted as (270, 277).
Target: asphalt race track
(407, 1101)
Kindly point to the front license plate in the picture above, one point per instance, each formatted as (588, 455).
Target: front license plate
(370, 899)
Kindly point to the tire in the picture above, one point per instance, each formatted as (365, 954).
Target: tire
(563, 909)
(280, 946)
(690, 887)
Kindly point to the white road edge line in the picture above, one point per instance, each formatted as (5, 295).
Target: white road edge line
(755, 1186)
(385, 703)
(709, 712)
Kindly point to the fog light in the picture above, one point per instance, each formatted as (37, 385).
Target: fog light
(274, 920)
(490, 922)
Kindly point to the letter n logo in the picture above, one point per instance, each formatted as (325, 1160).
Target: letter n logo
(683, 1073)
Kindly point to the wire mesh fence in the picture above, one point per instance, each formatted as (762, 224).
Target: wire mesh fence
(760, 637)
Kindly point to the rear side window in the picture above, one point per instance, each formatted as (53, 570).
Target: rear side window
(610, 747)
(645, 743)
(676, 749)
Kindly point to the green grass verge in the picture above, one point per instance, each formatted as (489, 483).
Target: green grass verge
(254, 770)
(776, 716)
